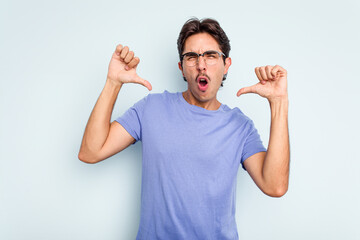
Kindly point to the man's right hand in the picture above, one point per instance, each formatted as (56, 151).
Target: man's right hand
(122, 67)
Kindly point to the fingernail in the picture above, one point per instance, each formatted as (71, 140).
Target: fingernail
(126, 67)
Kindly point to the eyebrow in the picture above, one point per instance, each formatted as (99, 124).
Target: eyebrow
(203, 51)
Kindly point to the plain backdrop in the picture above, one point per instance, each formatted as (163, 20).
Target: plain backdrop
(54, 57)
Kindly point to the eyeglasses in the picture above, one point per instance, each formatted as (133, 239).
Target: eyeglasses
(211, 57)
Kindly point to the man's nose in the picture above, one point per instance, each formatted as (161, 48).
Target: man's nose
(201, 64)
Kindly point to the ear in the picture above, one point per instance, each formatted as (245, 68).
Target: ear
(180, 67)
(227, 64)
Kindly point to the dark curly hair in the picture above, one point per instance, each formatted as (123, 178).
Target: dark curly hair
(207, 25)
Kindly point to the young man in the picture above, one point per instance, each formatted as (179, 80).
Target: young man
(192, 144)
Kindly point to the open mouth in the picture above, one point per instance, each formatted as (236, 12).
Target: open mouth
(203, 83)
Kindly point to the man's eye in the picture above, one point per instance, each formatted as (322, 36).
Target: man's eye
(212, 55)
(191, 57)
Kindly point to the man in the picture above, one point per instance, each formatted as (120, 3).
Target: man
(192, 144)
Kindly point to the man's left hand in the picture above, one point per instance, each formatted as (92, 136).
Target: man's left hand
(272, 83)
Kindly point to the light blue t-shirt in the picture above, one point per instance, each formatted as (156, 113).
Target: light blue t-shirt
(190, 161)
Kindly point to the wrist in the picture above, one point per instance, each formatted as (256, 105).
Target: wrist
(279, 100)
(279, 106)
(112, 86)
(113, 83)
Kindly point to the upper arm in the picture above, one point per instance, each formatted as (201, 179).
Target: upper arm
(118, 139)
(272, 185)
(254, 165)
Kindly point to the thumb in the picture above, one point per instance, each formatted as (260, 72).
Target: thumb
(143, 82)
(251, 89)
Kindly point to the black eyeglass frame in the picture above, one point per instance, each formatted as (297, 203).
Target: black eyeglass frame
(199, 55)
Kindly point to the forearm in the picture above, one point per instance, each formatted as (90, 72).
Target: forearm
(276, 164)
(98, 126)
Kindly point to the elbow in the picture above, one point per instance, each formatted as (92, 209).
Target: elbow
(86, 158)
(277, 192)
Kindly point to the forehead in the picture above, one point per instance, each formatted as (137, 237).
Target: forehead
(200, 43)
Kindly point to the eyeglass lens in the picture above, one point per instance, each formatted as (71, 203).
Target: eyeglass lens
(210, 58)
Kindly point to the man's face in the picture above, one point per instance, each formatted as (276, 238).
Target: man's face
(196, 75)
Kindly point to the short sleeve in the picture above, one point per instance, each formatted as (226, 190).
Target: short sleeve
(131, 120)
(253, 144)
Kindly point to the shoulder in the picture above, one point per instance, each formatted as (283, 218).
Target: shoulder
(236, 114)
(164, 97)
(157, 101)
(238, 120)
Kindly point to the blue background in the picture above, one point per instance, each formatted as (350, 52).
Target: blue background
(53, 64)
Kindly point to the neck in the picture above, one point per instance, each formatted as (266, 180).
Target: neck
(212, 104)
